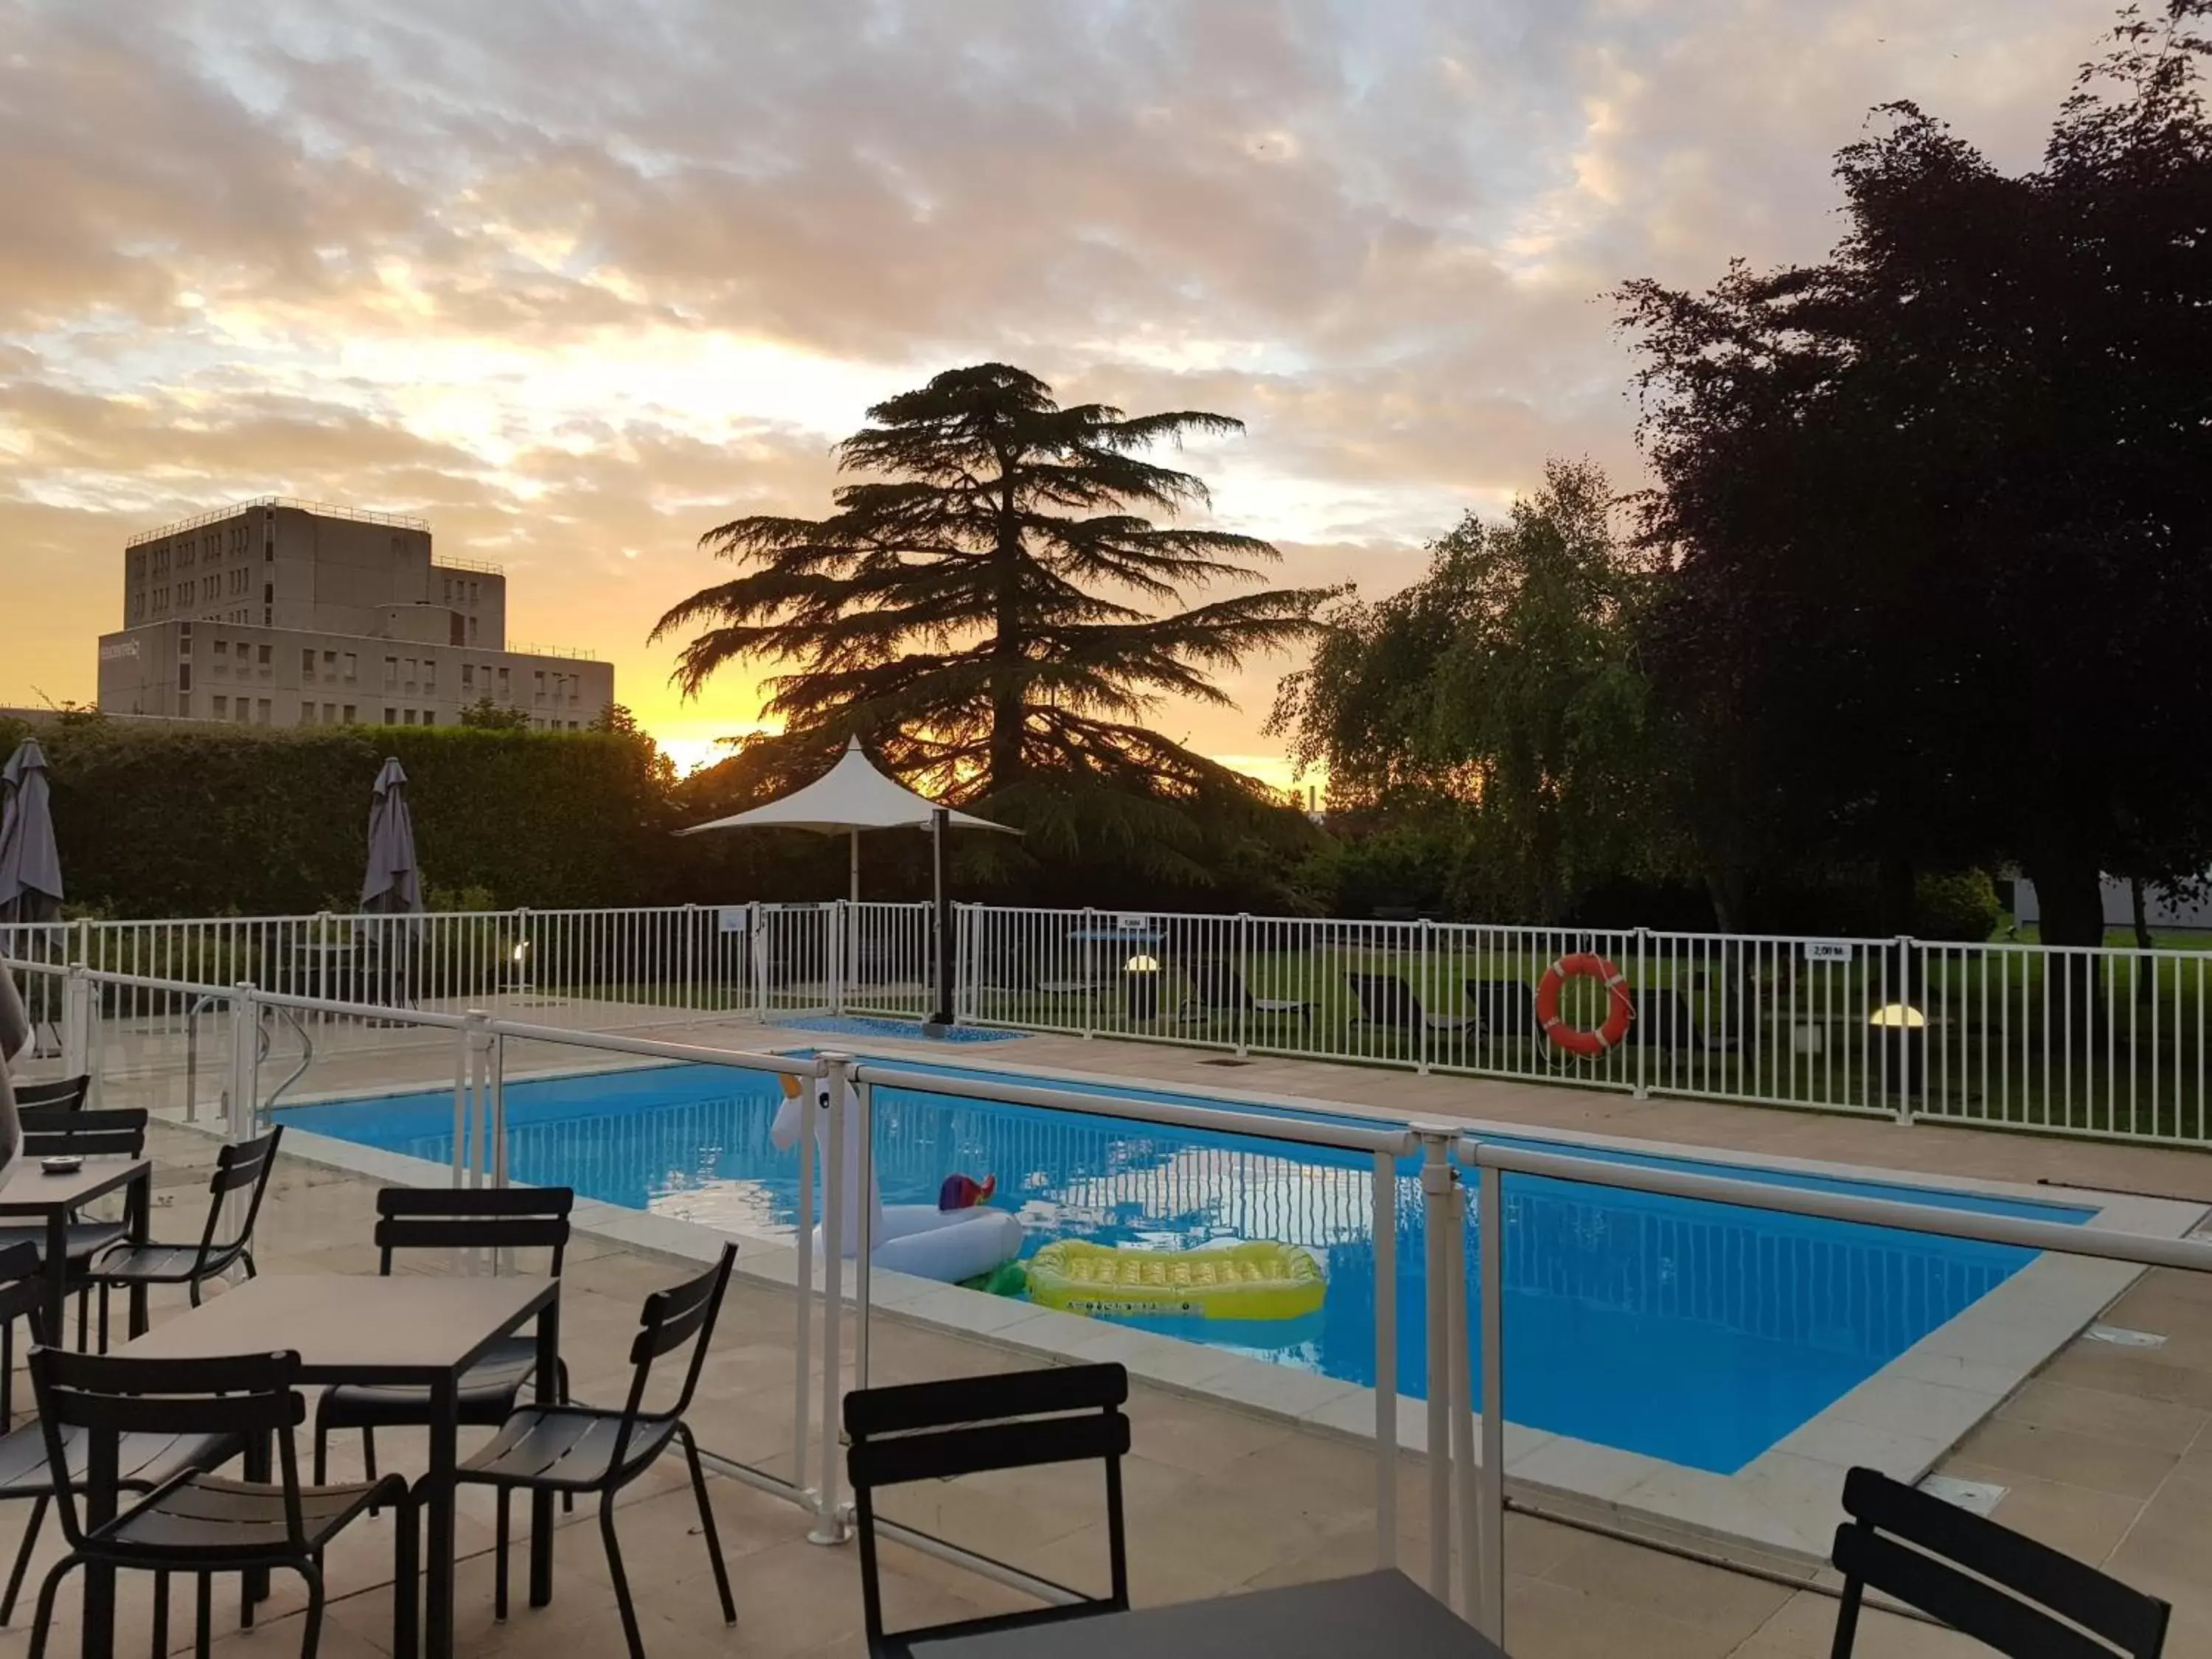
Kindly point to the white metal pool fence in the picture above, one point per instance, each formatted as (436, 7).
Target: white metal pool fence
(1464, 1459)
(2103, 1041)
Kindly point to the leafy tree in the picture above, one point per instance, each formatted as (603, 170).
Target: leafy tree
(1506, 679)
(1938, 511)
(996, 615)
(485, 715)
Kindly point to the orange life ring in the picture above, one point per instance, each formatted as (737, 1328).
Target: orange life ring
(1618, 1012)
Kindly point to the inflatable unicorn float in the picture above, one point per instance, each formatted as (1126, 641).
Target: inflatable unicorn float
(954, 1240)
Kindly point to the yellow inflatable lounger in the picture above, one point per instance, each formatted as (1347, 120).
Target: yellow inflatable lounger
(1253, 1279)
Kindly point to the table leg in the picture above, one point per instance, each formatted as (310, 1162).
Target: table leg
(100, 1499)
(57, 1264)
(253, 1585)
(438, 1520)
(138, 1217)
(540, 1503)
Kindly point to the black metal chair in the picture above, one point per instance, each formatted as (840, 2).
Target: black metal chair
(1387, 1002)
(1218, 989)
(453, 1218)
(572, 1449)
(1983, 1580)
(240, 1166)
(142, 1461)
(1017, 1419)
(1505, 1010)
(53, 1131)
(198, 1523)
(65, 1094)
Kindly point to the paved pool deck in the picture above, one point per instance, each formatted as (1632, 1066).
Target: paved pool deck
(2103, 1451)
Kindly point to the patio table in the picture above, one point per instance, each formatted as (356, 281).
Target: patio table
(412, 1330)
(27, 1190)
(1378, 1613)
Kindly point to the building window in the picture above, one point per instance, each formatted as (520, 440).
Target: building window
(407, 717)
(307, 713)
(391, 672)
(429, 717)
(331, 713)
(537, 686)
(306, 665)
(414, 670)
(392, 717)
(261, 711)
(243, 711)
(503, 680)
(184, 677)
(261, 655)
(222, 647)
(473, 630)
(468, 677)
(222, 705)
(431, 674)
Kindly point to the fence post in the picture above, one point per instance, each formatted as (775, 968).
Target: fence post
(834, 923)
(1467, 1596)
(1421, 980)
(1436, 1220)
(690, 956)
(76, 1022)
(469, 1042)
(1641, 1092)
(1383, 1230)
(829, 1527)
(1490, 1234)
(1244, 973)
(1899, 1039)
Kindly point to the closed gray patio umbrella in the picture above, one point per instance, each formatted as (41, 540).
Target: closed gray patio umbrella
(30, 863)
(394, 886)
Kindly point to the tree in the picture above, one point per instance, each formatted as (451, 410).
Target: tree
(1938, 511)
(485, 715)
(1506, 680)
(995, 614)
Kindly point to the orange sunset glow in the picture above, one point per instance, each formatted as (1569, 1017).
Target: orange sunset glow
(577, 284)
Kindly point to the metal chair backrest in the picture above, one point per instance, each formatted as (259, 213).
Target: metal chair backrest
(62, 1094)
(1958, 1567)
(106, 1396)
(1386, 1000)
(473, 1217)
(239, 1166)
(974, 1424)
(22, 1287)
(683, 1313)
(68, 1131)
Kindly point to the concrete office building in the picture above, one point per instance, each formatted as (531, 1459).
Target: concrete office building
(288, 613)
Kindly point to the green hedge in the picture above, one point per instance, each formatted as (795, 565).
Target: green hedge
(198, 820)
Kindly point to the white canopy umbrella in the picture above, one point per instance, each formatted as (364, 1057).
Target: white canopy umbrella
(853, 796)
(850, 796)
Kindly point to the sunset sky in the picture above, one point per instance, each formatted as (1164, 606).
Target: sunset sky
(577, 280)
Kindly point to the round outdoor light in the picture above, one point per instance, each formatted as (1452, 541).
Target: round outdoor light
(1898, 1016)
(522, 950)
(1142, 965)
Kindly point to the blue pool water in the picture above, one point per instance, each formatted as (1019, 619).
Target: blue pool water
(1696, 1332)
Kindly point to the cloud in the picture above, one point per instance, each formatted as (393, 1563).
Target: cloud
(579, 281)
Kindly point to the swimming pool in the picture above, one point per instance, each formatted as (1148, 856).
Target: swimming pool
(1695, 1333)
